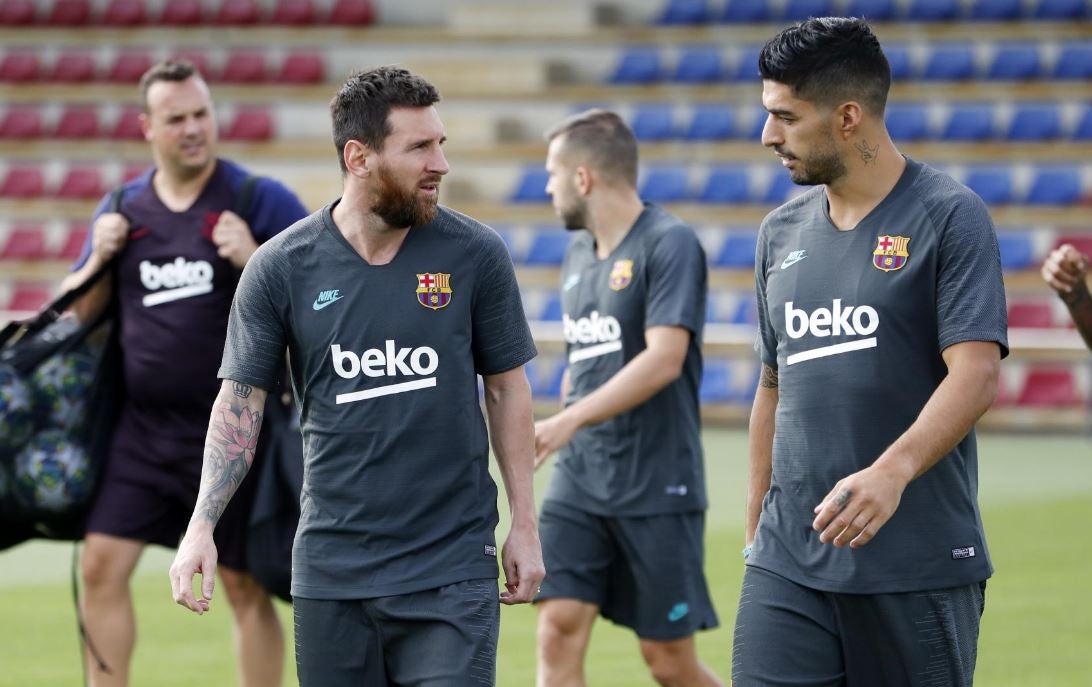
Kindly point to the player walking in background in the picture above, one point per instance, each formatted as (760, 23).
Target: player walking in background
(882, 325)
(1066, 271)
(623, 521)
(179, 248)
(390, 306)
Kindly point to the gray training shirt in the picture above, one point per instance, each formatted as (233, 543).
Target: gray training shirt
(648, 460)
(855, 322)
(397, 496)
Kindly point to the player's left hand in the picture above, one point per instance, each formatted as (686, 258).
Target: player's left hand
(233, 239)
(551, 434)
(858, 506)
(521, 559)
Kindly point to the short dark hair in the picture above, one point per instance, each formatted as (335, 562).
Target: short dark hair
(829, 61)
(604, 139)
(176, 71)
(362, 105)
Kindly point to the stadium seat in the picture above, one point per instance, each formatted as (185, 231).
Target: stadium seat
(711, 122)
(294, 12)
(898, 58)
(16, 12)
(753, 130)
(746, 11)
(737, 252)
(132, 171)
(992, 184)
(933, 10)
(1035, 122)
(873, 10)
(653, 122)
(1017, 250)
(799, 10)
(250, 124)
(638, 66)
(73, 67)
(129, 67)
(127, 126)
(716, 382)
(747, 66)
(78, 122)
(684, 12)
(746, 311)
(1038, 314)
(728, 185)
(182, 13)
(969, 122)
(1050, 388)
(1060, 9)
(545, 374)
(1081, 242)
(1055, 186)
(125, 13)
(1083, 132)
(1015, 61)
(665, 185)
(238, 12)
(72, 247)
(551, 312)
(69, 13)
(531, 187)
(199, 60)
(548, 246)
(781, 187)
(949, 62)
(81, 183)
(352, 13)
(302, 68)
(20, 67)
(24, 243)
(21, 124)
(996, 10)
(30, 297)
(22, 183)
(699, 64)
(1074, 62)
(245, 66)
(907, 121)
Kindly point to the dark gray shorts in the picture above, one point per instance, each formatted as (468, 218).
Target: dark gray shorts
(645, 572)
(444, 637)
(788, 634)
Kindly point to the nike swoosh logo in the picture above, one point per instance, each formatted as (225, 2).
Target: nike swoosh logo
(319, 306)
(792, 260)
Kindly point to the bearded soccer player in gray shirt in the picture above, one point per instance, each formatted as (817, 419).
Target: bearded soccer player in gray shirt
(882, 326)
(390, 307)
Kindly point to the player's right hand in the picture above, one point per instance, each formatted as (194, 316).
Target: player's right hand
(1065, 269)
(108, 236)
(196, 554)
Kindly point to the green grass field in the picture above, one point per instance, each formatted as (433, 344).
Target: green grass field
(1036, 493)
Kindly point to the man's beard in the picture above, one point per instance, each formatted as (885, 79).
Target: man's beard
(400, 207)
(574, 217)
(823, 166)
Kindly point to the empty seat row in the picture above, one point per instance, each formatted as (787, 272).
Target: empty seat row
(22, 65)
(25, 123)
(128, 13)
(681, 12)
(940, 61)
(35, 242)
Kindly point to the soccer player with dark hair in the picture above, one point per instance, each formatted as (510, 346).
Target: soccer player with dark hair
(881, 329)
(1066, 271)
(624, 519)
(390, 306)
(179, 235)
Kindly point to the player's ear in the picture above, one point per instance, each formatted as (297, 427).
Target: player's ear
(583, 180)
(145, 126)
(358, 158)
(848, 117)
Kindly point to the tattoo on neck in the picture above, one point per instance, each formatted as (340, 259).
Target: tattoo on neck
(868, 153)
(241, 390)
(768, 380)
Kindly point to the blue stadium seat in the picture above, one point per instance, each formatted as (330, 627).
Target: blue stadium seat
(746, 311)
(754, 128)
(746, 11)
(1017, 250)
(682, 12)
(933, 10)
(907, 121)
(1083, 131)
(638, 66)
(726, 185)
(873, 10)
(711, 122)
(666, 185)
(898, 57)
(1035, 122)
(781, 185)
(1060, 9)
(1074, 62)
(996, 10)
(545, 375)
(737, 251)
(992, 184)
(1015, 61)
(1055, 186)
(798, 10)
(949, 62)
(532, 187)
(747, 66)
(551, 312)
(716, 381)
(700, 64)
(548, 246)
(969, 122)
(653, 122)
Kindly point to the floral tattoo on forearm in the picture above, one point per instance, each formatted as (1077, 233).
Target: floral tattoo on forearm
(229, 451)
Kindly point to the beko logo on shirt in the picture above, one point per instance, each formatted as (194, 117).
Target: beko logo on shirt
(838, 320)
(180, 278)
(603, 331)
(389, 361)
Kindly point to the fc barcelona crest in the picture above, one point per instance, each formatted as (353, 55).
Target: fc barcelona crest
(434, 290)
(621, 274)
(891, 253)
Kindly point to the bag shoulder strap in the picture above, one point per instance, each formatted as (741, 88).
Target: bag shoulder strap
(245, 196)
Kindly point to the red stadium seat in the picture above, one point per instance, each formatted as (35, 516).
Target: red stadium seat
(1031, 314)
(22, 183)
(1050, 388)
(81, 183)
(72, 247)
(30, 297)
(128, 67)
(238, 12)
(250, 124)
(294, 12)
(1081, 242)
(20, 67)
(78, 121)
(127, 126)
(245, 67)
(198, 59)
(302, 67)
(16, 12)
(24, 243)
(132, 172)
(21, 123)
(125, 13)
(70, 13)
(182, 13)
(74, 67)
(352, 12)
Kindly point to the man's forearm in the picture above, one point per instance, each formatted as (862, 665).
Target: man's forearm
(639, 380)
(512, 430)
(92, 303)
(1079, 303)
(760, 434)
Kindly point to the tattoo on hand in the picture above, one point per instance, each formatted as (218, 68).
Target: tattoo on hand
(229, 453)
(1075, 297)
(241, 390)
(768, 380)
(868, 154)
(843, 498)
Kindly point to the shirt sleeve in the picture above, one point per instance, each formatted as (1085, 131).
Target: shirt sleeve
(274, 209)
(765, 337)
(678, 282)
(256, 334)
(970, 288)
(501, 336)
